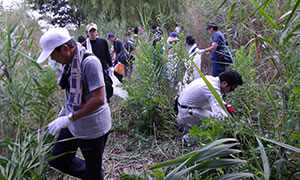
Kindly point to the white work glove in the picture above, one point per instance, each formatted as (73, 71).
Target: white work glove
(58, 123)
(111, 71)
(201, 51)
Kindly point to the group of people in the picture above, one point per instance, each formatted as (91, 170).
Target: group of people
(116, 60)
(85, 120)
(196, 101)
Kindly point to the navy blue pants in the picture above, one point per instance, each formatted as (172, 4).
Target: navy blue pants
(65, 160)
(217, 68)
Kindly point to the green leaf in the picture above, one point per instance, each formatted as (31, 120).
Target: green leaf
(235, 176)
(270, 42)
(291, 15)
(211, 88)
(292, 148)
(273, 104)
(291, 34)
(230, 14)
(265, 160)
(209, 164)
(185, 157)
(264, 14)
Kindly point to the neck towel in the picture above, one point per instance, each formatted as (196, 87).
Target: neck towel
(74, 83)
(89, 45)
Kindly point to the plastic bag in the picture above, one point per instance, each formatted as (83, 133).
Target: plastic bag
(118, 91)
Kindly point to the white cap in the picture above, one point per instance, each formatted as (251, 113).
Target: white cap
(52, 39)
(91, 26)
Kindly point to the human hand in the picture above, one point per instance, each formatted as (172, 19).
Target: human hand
(230, 109)
(58, 123)
(201, 51)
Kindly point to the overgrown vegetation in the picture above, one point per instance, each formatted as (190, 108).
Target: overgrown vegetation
(263, 137)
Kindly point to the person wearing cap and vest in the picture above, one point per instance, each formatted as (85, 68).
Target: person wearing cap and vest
(98, 46)
(217, 48)
(195, 98)
(86, 122)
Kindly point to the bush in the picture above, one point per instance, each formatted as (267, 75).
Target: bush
(154, 85)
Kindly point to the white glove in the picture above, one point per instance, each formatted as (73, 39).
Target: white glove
(58, 123)
(111, 71)
(200, 51)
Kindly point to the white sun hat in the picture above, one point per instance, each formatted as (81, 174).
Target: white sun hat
(52, 39)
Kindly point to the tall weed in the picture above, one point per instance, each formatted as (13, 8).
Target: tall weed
(154, 85)
(28, 98)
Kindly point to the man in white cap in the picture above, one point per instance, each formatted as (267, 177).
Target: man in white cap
(86, 121)
(99, 47)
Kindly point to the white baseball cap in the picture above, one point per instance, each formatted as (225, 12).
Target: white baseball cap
(52, 39)
(91, 26)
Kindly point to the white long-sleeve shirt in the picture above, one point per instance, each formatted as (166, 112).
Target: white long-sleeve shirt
(198, 95)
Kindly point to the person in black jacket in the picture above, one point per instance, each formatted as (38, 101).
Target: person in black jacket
(120, 54)
(98, 46)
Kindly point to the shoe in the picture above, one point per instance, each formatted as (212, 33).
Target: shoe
(186, 140)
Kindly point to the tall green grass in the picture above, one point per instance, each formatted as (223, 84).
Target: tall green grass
(28, 99)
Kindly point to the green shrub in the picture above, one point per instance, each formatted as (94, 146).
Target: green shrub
(153, 86)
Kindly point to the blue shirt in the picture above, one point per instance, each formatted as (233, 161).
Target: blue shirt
(218, 37)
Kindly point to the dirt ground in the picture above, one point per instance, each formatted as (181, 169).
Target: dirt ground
(131, 153)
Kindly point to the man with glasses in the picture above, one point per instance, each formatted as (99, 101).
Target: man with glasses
(196, 97)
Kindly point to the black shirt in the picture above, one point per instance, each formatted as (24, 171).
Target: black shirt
(100, 49)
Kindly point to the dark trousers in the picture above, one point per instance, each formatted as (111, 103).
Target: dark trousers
(65, 160)
(217, 68)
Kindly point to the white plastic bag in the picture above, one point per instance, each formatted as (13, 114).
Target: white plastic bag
(118, 91)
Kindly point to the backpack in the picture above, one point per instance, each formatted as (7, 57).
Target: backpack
(122, 57)
(107, 80)
(226, 56)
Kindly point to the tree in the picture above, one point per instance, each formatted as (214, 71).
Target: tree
(130, 12)
(59, 11)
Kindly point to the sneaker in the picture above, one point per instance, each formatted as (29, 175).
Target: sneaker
(186, 140)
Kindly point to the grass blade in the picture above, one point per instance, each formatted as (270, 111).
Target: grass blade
(292, 148)
(291, 15)
(210, 164)
(264, 160)
(265, 15)
(230, 14)
(291, 34)
(235, 176)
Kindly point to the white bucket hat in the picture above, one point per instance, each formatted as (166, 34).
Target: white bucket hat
(52, 39)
